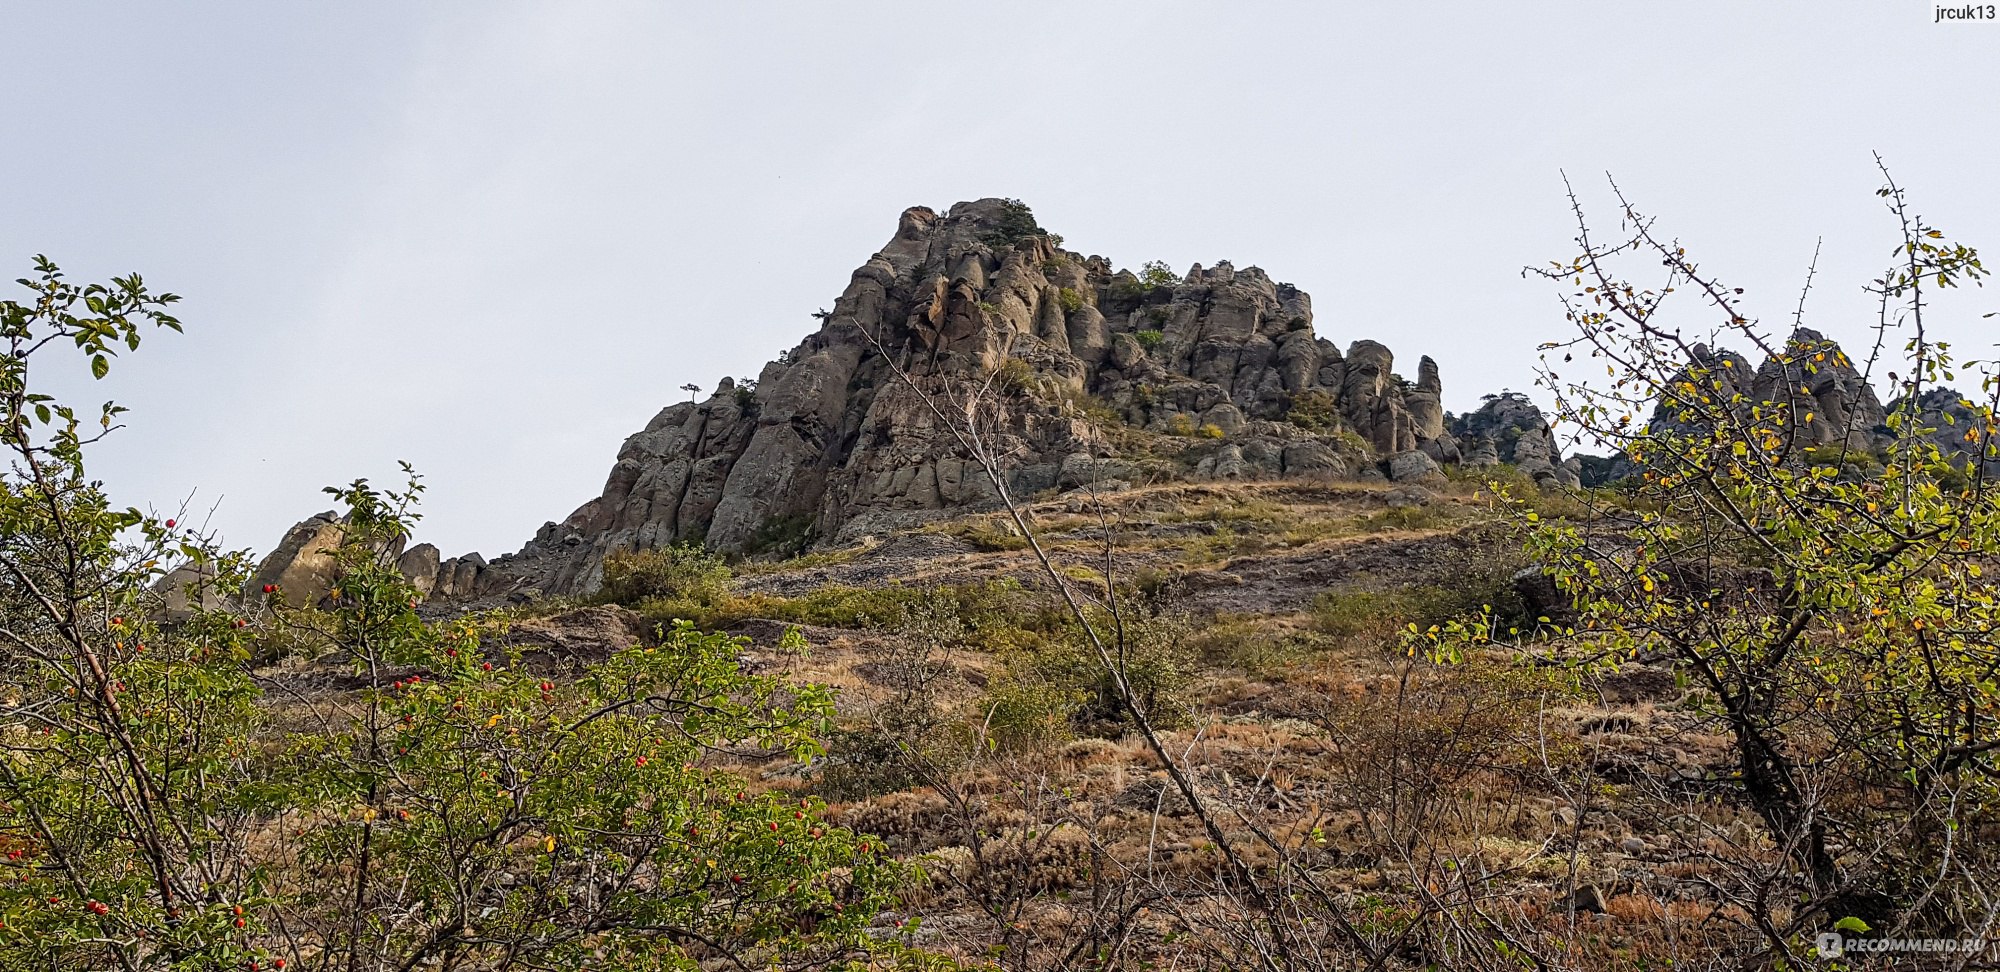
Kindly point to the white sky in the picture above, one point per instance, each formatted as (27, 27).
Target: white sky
(494, 238)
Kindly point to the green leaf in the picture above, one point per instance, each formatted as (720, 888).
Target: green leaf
(99, 366)
(1852, 924)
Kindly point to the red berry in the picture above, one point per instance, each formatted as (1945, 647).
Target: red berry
(119, 622)
(486, 666)
(170, 524)
(270, 588)
(239, 922)
(774, 826)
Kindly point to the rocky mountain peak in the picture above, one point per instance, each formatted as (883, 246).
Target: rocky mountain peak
(1090, 373)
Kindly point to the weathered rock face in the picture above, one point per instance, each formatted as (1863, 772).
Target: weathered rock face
(1082, 375)
(831, 441)
(1510, 429)
(302, 566)
(1830, 401)
(1823, 397)
(1954, 428)
(1721, 375)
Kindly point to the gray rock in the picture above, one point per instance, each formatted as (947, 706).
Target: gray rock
(829, 441)
(1312, 459)
(1404, 497)
(185, 590)
(420, 565)
(1588, 899)
(303, 567)
(1412, 466)
(1510, 429)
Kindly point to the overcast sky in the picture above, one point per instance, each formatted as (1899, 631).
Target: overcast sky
(494, 238)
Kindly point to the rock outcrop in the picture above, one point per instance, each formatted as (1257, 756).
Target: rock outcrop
(1829, 400)
(1825, 398)
(1078, 374)
(1811, 396)
(302, 567)
(831, 441)
(1510, 429)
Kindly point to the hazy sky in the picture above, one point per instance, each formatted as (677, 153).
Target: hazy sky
(494, 238)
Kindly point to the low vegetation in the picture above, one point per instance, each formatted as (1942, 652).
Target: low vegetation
(1693, 721)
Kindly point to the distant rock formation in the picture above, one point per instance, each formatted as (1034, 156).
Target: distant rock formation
(827, 443)
(1830, 402)
(1826, 402)
(1094, 375)
(1510, 429)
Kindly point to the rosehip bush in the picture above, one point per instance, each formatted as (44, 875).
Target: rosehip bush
(166, 806)
(127, 782)
(478, 810)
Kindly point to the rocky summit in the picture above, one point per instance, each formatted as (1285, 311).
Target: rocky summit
(1082, 375)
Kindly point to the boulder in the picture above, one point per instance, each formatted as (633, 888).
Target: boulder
(1510, 429)
(1413, 466)
(303, 567)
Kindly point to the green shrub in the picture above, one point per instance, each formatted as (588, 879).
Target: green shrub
(999, 614)
(1382, 615)
(1314, 411)
(1149, 339)
(1014, 376)
(1070, 298)
(1017, 223)
(1209, 430)
(430, 800)
(1029, 714)
(1064, 677)
(683, 572)
(784, 536)
(1156, 273)
(1251, 645)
